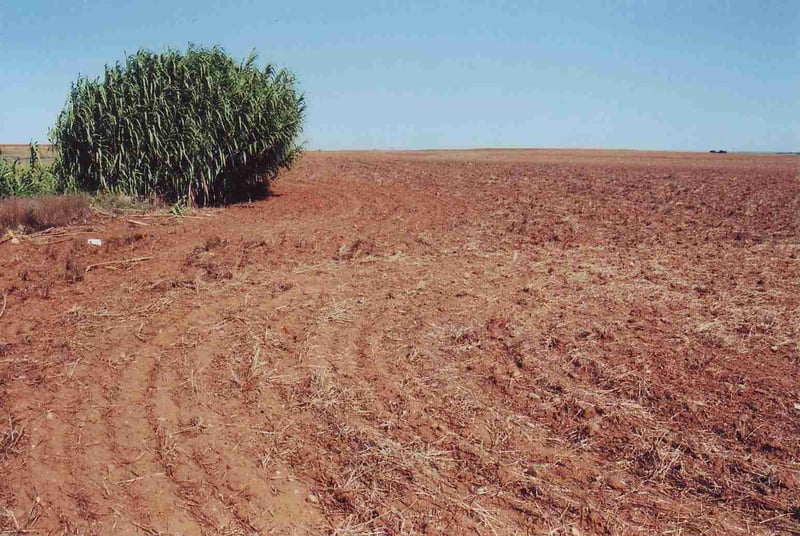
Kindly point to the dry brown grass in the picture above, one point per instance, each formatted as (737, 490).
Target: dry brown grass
(10, 438)
(37, 213)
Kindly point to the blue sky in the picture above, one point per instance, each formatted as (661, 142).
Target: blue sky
(671, 75)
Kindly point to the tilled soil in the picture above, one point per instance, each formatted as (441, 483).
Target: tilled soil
(490, 342)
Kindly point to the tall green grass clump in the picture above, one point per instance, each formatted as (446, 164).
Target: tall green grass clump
(194, 127)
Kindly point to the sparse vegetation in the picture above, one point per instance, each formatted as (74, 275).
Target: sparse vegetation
(194, 127)
(28, 200)
(42, 212)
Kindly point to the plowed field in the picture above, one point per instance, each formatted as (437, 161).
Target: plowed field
(487, 342)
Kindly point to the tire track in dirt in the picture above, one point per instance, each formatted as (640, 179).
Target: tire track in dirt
(212, 464)
(147, 479)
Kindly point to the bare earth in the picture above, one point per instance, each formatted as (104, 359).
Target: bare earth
(23, 152)
(490, 342)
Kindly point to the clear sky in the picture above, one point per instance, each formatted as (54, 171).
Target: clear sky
(445, 74)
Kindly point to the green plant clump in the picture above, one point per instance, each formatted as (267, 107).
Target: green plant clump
(195, 126)
(20, 180)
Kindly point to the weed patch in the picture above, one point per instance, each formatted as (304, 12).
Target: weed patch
(37, 213)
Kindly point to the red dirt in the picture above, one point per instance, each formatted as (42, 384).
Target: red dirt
(497, 342)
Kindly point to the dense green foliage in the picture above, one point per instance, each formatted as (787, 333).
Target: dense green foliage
(192, 126)
(20, 180)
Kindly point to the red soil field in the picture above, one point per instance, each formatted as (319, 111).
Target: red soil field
(466, 342)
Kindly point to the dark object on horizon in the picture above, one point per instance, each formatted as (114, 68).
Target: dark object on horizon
(721, 151)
